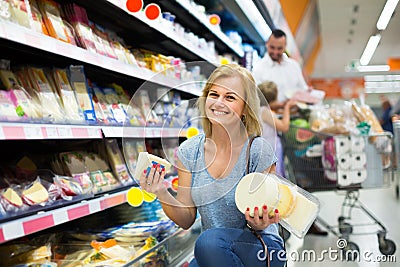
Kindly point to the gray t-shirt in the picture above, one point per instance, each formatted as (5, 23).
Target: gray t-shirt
(215, 198)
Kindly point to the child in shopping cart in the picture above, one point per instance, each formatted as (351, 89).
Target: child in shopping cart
(271, 123)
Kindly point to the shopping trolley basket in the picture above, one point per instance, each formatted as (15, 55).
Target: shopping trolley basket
(322, 162)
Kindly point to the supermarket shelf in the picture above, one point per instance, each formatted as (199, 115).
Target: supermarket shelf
(24, 36)
(142, 132)
(32, 131)
(154, 36)
(180, 246)
(199, 24)
(46, 219)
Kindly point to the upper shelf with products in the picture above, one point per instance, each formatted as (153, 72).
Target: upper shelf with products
(191, 16)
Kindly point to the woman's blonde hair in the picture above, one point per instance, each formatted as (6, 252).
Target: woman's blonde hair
(252, 101)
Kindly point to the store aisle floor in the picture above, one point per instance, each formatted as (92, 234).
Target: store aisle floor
(382, 202)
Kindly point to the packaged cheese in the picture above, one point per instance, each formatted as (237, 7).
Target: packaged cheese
(297, 208)
(146, 160)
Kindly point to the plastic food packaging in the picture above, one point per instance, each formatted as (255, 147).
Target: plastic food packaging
(297, 207)
(145, 160)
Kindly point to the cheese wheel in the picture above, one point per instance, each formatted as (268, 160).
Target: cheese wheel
(286, 200)
(35, 194)
(12, 197)
(256, 190)
(146, 160)
(303, 215)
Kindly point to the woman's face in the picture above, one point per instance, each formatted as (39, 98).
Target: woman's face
(225, 101)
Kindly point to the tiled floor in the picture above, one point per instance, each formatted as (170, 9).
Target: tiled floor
(382, 202)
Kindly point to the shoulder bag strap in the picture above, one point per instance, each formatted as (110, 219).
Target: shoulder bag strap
(257, 235)
(248, 153)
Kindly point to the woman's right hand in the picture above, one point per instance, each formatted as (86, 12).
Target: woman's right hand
(152, 179)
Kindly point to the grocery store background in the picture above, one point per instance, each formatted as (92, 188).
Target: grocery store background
(329, 38)
(114, 53)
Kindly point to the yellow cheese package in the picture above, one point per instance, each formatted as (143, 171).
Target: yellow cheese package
(297, 208)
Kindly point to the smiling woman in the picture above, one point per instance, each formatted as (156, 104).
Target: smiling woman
(231, 85)
(210, 166)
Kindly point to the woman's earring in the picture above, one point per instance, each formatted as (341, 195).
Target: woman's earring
(244, 119)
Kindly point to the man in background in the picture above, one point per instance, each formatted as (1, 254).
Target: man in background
(276, 66)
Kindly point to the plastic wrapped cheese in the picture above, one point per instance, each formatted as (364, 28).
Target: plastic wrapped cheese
(297, 207)
(145, 160)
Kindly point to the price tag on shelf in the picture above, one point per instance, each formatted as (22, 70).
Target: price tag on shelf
(33, 132)
(64, 132)
(13, 230)
(94, 206)
(51, 132)
(60, 216)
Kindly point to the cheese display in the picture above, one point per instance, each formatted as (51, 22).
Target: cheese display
(145, 160)
(12, 197)
(297, 207)
(35, 194)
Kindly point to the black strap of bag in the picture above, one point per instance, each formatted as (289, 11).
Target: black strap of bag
(257, 235)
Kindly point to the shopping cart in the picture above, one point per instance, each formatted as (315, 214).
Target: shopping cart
(396, 137)
(323, 162)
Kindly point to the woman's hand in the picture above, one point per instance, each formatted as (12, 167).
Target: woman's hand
(152, 179)
(260, 223)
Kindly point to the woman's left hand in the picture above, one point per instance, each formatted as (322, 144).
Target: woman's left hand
(260, 223)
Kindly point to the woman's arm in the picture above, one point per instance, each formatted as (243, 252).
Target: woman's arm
(179, 209)
(281, 125)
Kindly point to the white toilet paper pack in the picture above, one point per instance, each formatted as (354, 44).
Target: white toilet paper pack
(344, 161)
(345, 177)
(342, 144)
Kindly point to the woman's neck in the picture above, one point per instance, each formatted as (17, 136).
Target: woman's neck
(222, 138)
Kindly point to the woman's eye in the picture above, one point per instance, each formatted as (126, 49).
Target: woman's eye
(213, 94)
(230, 97)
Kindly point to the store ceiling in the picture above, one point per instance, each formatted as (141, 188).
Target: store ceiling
(346, 26)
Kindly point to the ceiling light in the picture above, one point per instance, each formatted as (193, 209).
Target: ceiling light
(370, 49)
(386, 14)
(254, 15)
(371, 68)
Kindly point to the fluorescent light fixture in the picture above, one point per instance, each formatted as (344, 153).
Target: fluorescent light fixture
(255, 17)
(370, 49)
(386, 14)
(370, 68)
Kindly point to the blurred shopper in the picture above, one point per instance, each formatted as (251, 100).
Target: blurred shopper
(386, 118)
(271, 123)
(276, 66)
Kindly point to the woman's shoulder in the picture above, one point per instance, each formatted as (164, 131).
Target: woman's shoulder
(190, 144)
(260, 144)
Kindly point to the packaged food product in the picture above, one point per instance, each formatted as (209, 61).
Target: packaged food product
(297, 207)
(145, 160)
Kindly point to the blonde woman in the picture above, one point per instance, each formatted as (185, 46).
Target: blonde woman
(210, 166)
